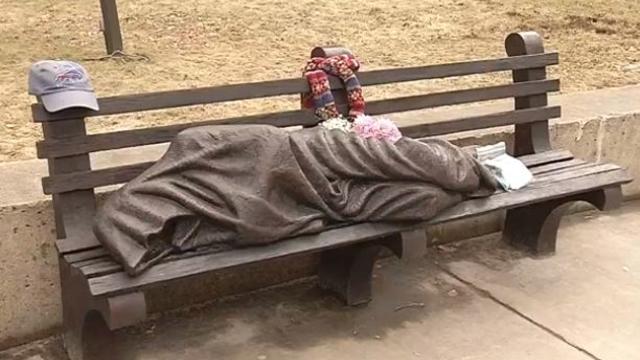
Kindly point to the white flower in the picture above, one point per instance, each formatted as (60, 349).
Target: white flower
(338, 123)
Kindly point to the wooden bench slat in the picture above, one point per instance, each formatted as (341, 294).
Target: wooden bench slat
(187, 97)
(72, 245)
(569, 169)
(148, 136)
(85, 255)
(94, 178)
(457, 97)
(439, 71)
(582, 180)
(482, 121)
(104, 267)
(546, 157)
(91, 262)
(100, 268)
(539, 170)
(161, 134)
(570, 173)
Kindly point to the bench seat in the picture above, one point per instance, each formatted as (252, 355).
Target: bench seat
(557, 175)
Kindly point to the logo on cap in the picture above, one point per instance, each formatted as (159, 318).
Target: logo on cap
(69, 74)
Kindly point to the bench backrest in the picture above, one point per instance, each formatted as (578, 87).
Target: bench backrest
(67, 145)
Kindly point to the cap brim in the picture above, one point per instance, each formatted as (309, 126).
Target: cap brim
(70, 99)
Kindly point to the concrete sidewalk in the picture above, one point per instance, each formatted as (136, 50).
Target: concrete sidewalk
(478, 299)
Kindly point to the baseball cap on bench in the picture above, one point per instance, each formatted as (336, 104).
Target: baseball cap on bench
(61, 85)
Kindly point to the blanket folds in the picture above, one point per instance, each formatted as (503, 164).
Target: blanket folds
(236, 186)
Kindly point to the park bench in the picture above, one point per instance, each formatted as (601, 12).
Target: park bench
(98, 297)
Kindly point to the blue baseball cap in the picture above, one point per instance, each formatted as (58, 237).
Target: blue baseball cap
(61, 85)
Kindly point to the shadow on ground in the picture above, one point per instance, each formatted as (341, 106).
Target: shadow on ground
(297, 317)
(292, 318)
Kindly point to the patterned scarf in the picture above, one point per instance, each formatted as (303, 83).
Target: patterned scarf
(321, 98)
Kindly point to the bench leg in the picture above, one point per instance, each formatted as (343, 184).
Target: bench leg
(409, 246)
(86, 334)
(88, 322)
(348, 270)
(535, 227)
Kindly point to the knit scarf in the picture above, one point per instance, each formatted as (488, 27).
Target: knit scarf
(321, 99)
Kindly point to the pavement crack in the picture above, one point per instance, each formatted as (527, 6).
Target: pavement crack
(487, 294)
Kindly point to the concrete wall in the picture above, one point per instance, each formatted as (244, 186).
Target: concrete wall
(29, 288)
(29, 285)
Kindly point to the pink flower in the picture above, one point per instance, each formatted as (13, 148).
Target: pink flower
(379, 128)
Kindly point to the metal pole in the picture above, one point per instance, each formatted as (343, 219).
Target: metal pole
(112, 34)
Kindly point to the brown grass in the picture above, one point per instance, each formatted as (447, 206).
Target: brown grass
(203, 42)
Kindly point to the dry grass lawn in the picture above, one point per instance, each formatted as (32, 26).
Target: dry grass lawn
(203, 42)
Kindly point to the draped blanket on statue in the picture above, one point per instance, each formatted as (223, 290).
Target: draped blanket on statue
(236, 186)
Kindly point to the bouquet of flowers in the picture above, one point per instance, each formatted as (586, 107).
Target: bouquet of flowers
(380, 128)
(368, 127)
